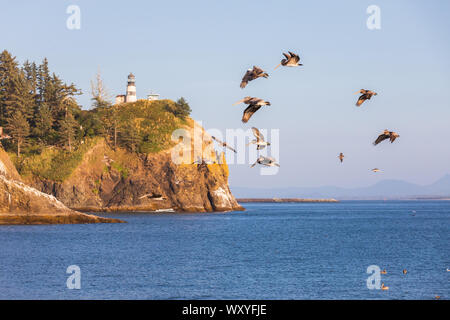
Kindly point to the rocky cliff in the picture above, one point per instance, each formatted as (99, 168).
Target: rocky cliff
(22, 204)
(118, 180)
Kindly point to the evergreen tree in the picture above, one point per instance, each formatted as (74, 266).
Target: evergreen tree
(67, 130)
(31, 75)
(43, 124)
(19, 129)
(9, 73)
(180, 109)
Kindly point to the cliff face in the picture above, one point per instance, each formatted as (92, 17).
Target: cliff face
(118, 180)
(22, 204)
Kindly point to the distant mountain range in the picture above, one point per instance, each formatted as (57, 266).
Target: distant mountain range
(386, 189)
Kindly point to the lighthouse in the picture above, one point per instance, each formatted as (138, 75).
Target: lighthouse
(131, 89)
(130, 95)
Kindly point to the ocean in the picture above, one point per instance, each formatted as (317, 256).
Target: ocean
(269, 251)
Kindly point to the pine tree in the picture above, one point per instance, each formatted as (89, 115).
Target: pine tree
(67, 130)
(19, 129)
(31, 75)
(43, 124)
(180, 109)
(9, 73)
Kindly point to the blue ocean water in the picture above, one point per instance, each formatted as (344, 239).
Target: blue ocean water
(270, 251)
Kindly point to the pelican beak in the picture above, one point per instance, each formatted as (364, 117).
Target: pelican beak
(277, 66)
(359, 91)
(234, 104)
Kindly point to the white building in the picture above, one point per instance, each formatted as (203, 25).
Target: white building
(152, 96)
(130, 96)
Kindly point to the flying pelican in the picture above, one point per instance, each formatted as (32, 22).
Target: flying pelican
(259, 141)
(254, 105)
(291, 60)
(223, 144)
(266, 161)
(365, 95)
(391, 135)
(341, 157)
(376, 170)
(253, 74)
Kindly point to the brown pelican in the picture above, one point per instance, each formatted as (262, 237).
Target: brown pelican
(254, 105)
(253, 74)
(259, 141)
(223, 144)
(203, 161)
(365, 95)
(291, 60)
(383, 271)
(341, 157)
(376, 170)
(266, 161)
(405, 271)
(383, 287)
(391, 135)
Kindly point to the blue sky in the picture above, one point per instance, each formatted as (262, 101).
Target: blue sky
(201, 49)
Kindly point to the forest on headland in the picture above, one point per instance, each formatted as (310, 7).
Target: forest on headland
(44, 129)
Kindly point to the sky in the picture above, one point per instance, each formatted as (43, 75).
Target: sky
(200, 50)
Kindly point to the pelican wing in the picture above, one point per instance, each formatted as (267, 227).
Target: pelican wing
(258, 135)
(249, 111)
(227, 146)
(361, 99)
(287, 56)
(380, 138)
(392, 137)
(294, 57)
(258, 71)
(247, 77)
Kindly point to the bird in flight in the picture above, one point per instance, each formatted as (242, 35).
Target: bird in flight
(341, 157)
(391, 135)
(253, 74)
(223, 144)
(254, 105)
(266, 161)
(291, 60)
(376, 170)
(259, 141)
(365, 95)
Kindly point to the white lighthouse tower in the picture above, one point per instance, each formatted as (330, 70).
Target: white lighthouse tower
(131, 89)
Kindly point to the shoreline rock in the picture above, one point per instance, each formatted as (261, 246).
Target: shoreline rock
(22, 204)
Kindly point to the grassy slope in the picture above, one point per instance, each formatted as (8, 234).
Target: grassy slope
(152, 122)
